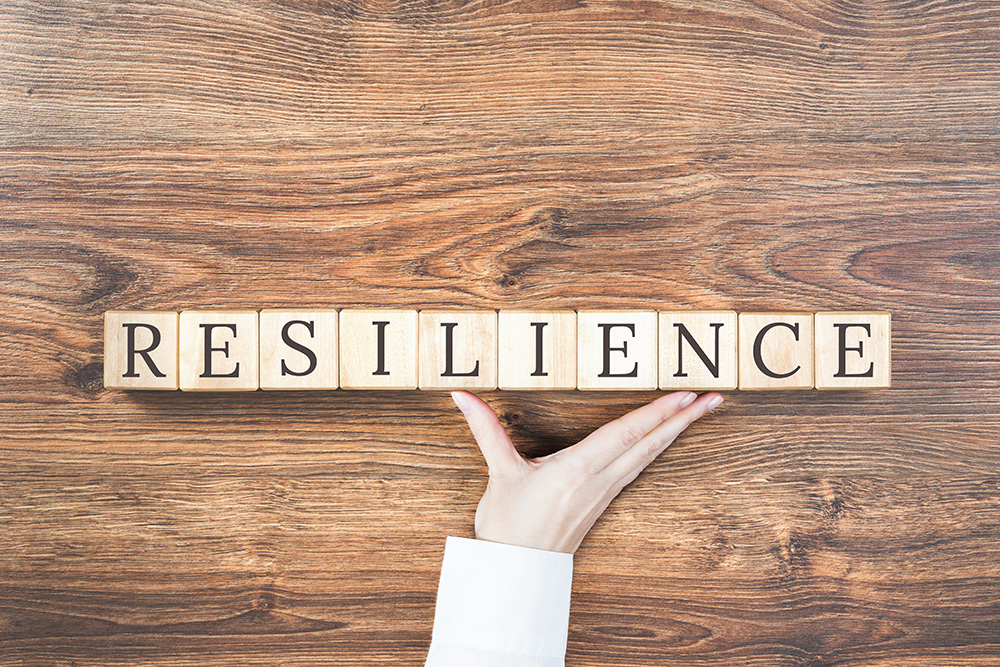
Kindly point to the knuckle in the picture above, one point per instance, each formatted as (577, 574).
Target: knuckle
(629, 433)
(653, 450)
(477, 429)
(668, 408)
(580, 469)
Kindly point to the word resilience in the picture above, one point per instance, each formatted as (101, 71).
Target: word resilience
(245, 350)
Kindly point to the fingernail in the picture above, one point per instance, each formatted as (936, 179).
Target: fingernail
(460, 400)
(714, 403)
(687, 400)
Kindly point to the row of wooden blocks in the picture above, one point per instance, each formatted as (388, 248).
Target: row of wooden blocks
(245, 350)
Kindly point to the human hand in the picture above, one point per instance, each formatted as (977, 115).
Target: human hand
(551, 502)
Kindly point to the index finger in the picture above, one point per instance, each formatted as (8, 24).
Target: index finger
(607, 443)
(627, 467)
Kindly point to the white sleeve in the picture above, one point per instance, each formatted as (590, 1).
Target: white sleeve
(500, 605)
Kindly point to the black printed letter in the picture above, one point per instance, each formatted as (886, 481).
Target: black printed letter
(606, 373)
(130, 371)
(538, 349)
(380, 332)
(682, 335)
(224, 349)
(760, 339)
(449, 330)
(298, 347)
(843, 350)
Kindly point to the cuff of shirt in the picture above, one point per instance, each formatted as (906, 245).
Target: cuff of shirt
(499, 600)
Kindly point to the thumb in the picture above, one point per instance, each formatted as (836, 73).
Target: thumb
(497, 448)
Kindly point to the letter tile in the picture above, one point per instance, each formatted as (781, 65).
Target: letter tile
(537, 349)
(776, 350)
(616, 349)
(140, 350)
(853, 350)
(298, 349)
(698, 350)
(378, 349)
(218, 350)
(458, 349)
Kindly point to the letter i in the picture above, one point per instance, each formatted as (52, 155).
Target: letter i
(538, 372)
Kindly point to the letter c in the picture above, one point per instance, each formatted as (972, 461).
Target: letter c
(760, 339)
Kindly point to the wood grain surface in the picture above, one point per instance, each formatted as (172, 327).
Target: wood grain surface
(546, 154)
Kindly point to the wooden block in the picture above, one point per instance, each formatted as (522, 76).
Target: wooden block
(537, 349)
(378, 349)
(853, 350)
(458, 349)
(140, 350)
(218, 350)
(616, 349)
(298, 349)
(776, 350)
(698, 349)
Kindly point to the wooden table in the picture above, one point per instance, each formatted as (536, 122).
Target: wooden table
(559, 154)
